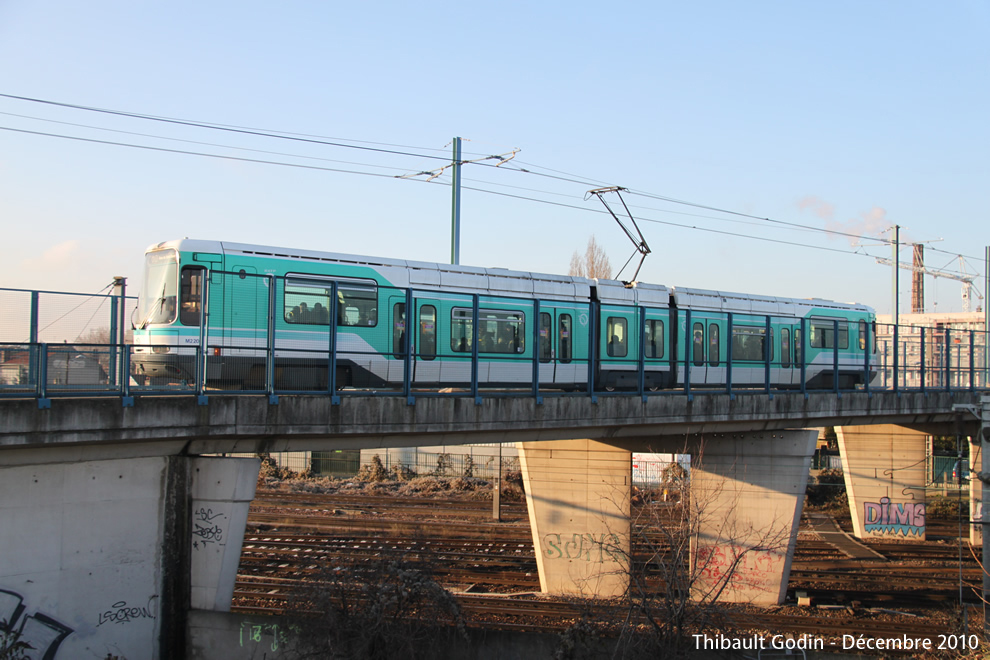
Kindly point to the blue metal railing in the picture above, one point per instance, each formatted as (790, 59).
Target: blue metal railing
(282, 359)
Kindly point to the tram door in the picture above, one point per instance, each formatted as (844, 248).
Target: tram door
(396, 309)
(426, 326)
(556, 346)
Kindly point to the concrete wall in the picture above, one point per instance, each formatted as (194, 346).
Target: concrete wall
(101, 557)
(81, 565)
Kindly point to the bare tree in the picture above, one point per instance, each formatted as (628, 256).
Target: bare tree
(593, 264)
(687, 557)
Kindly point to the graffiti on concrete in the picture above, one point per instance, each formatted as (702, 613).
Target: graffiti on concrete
(121, 612)
(891, 519)
(740, 566)
(270, 634)
(207, 529)
(589, 547)
(42, 632)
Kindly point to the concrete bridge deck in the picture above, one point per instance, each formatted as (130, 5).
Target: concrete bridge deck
(179, 425)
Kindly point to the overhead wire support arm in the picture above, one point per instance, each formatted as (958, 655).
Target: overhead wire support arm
(638, 240)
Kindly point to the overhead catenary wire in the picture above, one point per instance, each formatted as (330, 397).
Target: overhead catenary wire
(476, 189)
(518, 166)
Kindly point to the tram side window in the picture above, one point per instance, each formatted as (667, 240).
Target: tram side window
(713, 352)
(357, 304)
(654, 339)
(862, 335)
(698, 334)
(498, 331)
(798, 348)
(748, 343)
(307, 302)
(785, 348)
(399, 329)
(546, 327)
(615, 332)
(564, 347)
(427, 332)
(823, 334)
(191, 295)
(461, 330)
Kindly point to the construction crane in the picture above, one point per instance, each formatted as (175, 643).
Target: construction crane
(919, 268)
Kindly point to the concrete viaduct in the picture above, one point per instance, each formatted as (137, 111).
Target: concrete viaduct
(122, 525)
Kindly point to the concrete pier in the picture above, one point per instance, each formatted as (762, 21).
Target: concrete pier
(747, 493)
(578, 495)
(884, 470)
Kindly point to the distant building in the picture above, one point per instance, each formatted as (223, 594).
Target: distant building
(953, 345)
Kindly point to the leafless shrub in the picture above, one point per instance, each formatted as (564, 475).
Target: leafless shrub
(373, 471)
(383, 608)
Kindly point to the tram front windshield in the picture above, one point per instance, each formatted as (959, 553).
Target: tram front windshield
(156, 303)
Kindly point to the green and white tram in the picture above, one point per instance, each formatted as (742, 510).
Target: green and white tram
(387, 320)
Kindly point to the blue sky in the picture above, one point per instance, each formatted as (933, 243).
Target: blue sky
(849, 116)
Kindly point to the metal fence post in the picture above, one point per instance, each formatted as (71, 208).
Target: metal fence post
(270, 352)
(947, 358)
(687, 355)
(921, 366)
(42, 384)
(803, 353)
(536, 350)
(642, 352)
(407, 344)
(592, 349)
(475, 306)
(202, 351)
(896, 361)
(835, 357)
(767, 355)
(728, 357)
(332, 348)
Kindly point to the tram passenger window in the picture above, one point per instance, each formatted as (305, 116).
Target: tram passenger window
(713, 352)
(461, 330)
(357, 303)
(399, 329)
(427, 332)
(785, 348)
(798, 348)
(653, 339)
(698, 335)
(190, 296)
(823, 334)
(498, 331)
(546, 328)
(862, 335)
(307, 301)
(304, 302)
(615, 333)
(564, 347)
(748, 343)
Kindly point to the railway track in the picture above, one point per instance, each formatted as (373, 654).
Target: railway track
(292, 539)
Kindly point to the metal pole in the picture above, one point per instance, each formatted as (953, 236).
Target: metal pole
(896, 311)
(984, 463)
(455, 217)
